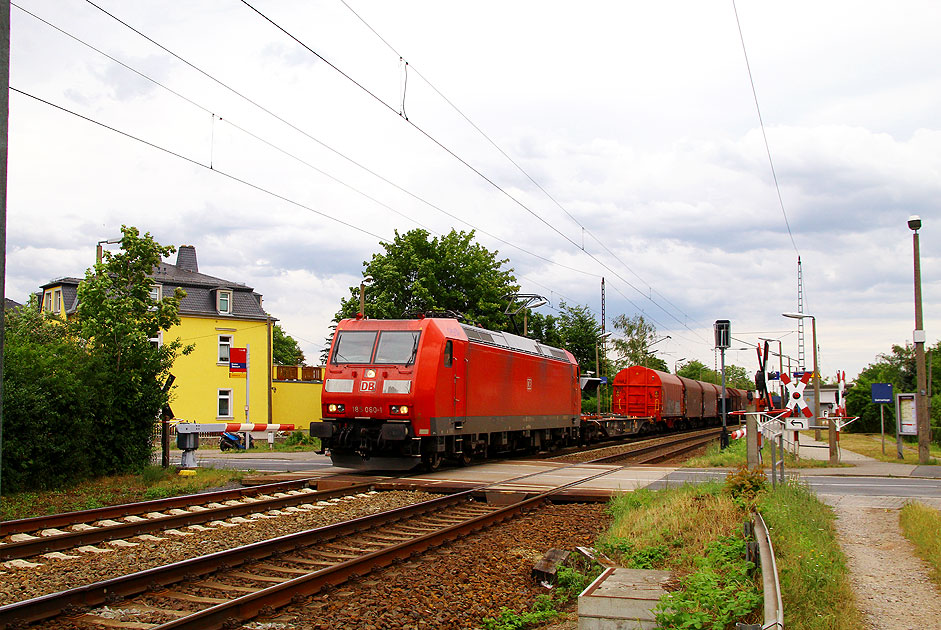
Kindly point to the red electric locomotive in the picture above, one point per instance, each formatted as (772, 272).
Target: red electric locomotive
(399, 391)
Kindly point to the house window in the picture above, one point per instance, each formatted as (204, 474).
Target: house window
(225, 403)
(57, 301)
(225, 343)
(157, 341)
(47, 301)
(224, 302)
(156, 293)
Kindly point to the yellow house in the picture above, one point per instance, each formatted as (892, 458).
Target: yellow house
(215, 316)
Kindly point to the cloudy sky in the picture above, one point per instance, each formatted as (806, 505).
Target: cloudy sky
(635, 120)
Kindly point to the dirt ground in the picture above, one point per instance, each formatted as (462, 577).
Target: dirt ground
(893, 590)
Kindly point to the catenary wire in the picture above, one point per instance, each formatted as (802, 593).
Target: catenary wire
(324, 145)
(508, 157)
(200, 164)
(462, 161)
(256, 104)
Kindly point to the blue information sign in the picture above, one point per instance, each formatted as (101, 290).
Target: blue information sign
(882, 393)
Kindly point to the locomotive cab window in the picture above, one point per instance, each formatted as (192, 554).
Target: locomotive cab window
(354, 346)
(397, 346)
(448, 353)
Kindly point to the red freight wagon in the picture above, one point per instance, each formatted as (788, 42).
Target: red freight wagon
(646, 393)
(692, 399)
(432, 388)
(710, 396)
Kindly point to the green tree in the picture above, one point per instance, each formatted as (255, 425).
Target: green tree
(50, 402)
(698, 371)
(633, 347)
(284, 348)
(574, 329)
(897, 368)
(419, 274)
(117, 317)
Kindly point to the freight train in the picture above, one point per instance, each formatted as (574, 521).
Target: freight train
(400, 392)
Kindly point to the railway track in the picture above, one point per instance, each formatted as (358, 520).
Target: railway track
(26, 538)
(647, 451)
(216, 590)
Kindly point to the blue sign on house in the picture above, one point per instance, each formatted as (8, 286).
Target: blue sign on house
(882, 393)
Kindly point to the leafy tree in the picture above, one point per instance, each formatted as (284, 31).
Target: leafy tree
(418, 274)
(50, 402)
(633, 346)
(116, 319)
(897, 368)
(575, 329)
(698, 371)
(284, 348)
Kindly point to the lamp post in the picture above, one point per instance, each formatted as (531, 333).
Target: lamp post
(362, 295)
(600, 338)
(676, 365)
(921, 400)
(831, 432)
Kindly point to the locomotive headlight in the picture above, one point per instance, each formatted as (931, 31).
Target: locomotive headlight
(403, 409)
(370, 374)
(332, 408)
(335, 408)
(398, 410)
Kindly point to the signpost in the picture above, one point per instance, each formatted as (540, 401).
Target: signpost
(882, 393)
(906, 418)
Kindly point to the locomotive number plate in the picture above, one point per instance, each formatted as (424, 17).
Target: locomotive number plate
(367, 386)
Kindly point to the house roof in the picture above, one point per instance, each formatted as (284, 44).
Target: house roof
(200, 289)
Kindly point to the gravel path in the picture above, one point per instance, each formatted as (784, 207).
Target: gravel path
(893, 590)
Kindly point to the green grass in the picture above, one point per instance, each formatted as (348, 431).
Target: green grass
(152, 483)
(569, 583)
(815, 585)
(870, 445)
(296, 442)
(921, 524)
(735, 455)
(695, 532)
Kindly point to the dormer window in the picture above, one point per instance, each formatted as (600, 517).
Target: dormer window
(47, 301)
(224, 302)
(57, 301)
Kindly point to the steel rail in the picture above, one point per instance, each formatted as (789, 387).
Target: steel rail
(36, 523)
(96, 594)
(70, 540)
(697, 440)
(249, 606)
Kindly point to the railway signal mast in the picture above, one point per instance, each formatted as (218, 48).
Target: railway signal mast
(723, 332)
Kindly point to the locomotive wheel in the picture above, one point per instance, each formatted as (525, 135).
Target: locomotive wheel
(431, 461)
(464, 459)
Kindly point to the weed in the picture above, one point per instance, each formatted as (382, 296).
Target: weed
(815, 586)
(720, 591)
(921, 524)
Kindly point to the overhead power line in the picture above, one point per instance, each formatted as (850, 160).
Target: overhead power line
(462, 161)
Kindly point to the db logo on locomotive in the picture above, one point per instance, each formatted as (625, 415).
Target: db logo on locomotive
(367, 386)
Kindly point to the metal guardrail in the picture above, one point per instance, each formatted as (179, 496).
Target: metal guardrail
(774, 609)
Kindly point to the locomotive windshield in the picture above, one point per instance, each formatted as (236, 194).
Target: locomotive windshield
(354, 346)
(397, 346)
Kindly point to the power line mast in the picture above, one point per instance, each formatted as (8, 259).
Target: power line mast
(800, 322)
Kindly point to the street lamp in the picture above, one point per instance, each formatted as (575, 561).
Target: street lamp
(921, 402)
(831, 432)
(600, 338)
(362, 295)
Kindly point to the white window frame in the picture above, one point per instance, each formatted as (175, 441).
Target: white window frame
(228, 295)
(47, 301)
(156, 292)
(225, 394)
(158, 340)
(57, 301)
(225, 341)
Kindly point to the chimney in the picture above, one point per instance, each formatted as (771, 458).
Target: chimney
(186, 258)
